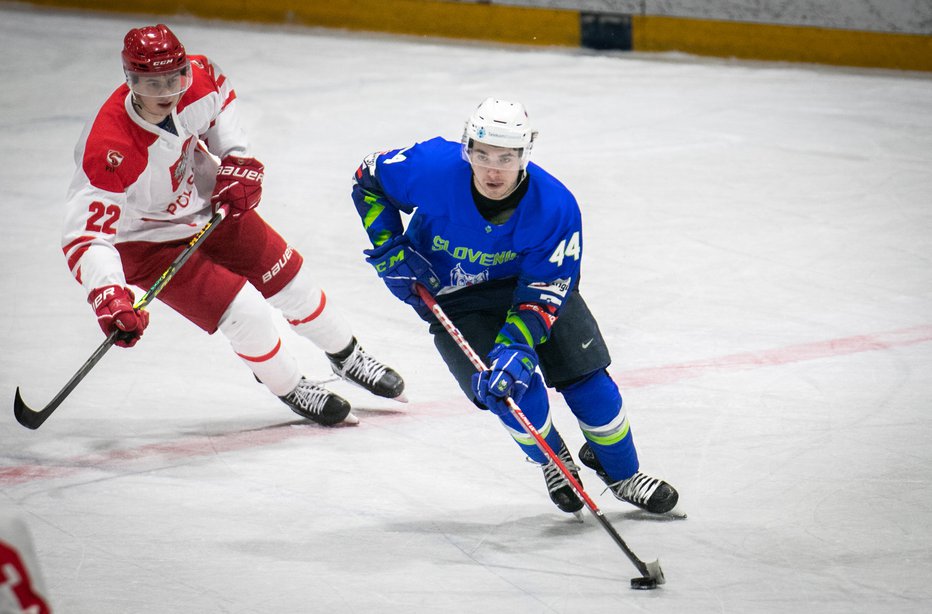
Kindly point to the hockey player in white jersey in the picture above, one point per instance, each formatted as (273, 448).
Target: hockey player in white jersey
(22, 587)
(148, 178)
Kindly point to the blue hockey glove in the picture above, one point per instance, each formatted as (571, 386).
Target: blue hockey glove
(400, 267)
(509, 375)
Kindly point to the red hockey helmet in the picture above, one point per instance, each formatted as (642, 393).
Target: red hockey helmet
(155, 62)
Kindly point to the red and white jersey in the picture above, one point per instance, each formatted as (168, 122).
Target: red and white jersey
(22, 587)
(135, 181)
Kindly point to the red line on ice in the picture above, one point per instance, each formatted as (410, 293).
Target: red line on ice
(188, 448)
(211, 445)
(781, 356)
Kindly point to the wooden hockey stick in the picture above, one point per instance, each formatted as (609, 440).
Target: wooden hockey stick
(33, 418)
(651, 573)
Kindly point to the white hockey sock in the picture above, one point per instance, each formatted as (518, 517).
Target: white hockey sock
(305, 306)
(248, 325)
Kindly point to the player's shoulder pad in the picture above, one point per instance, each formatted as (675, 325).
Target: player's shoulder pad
(421, 159)
(549, 197)
(442, 152)
(548, 212)
(431, 159)
(116, 150)
(207, 80)
(416, 174)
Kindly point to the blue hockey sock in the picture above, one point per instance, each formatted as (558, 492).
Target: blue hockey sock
(536, 407)
(597, 404)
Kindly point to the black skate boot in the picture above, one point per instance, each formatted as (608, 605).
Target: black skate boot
(643, 491)
(318, 404)
(561, 493)
(354, 365)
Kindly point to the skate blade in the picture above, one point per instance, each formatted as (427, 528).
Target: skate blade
(401, 398)
(676, 512)
(349, 420)
(578, 515)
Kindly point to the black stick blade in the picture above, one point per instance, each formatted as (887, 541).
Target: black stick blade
(33, 419)
(27, 416)
(652, 578)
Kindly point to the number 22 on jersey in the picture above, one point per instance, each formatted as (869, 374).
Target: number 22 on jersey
(98, 211)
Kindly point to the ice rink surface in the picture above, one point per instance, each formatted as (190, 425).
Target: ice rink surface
(758, 254)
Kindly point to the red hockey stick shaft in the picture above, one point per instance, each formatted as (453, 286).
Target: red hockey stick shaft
(647, 570)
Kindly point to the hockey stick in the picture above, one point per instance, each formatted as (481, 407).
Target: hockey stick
(651, 574)
(33, 418)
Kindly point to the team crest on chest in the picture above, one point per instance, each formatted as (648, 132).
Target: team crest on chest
(180, 167)
(460, 278)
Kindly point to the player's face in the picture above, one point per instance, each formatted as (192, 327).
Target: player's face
(157, 94)
(155, 109)
(495, 169)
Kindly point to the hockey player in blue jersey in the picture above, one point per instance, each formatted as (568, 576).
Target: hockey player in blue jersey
(498, 242)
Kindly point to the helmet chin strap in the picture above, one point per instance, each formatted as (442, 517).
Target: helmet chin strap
(144, 113)
(521, 175)
(135, 102)
(137, 105)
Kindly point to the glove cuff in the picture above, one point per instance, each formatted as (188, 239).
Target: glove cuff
(528, 324)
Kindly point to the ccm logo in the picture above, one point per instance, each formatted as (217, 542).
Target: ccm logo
(162, 62)
(240, 173)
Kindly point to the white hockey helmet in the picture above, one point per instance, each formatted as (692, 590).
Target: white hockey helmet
(501, 124)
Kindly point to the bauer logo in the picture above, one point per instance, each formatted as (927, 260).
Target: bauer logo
(277, 268)
(114, 158)
(104, 296)
(241, 173)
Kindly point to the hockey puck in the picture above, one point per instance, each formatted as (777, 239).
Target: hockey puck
(643, 583)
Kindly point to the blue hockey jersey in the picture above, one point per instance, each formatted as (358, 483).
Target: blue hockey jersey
(540, 245)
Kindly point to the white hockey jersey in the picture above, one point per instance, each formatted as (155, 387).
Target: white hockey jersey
(135, 181)
(22, 586)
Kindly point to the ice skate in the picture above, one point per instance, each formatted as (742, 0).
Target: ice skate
(650, 494)
(561, 493)
(363, 370)
(318, 404)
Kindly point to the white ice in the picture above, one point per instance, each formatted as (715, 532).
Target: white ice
(758, 254)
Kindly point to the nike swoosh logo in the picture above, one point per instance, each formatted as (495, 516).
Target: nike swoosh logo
(586, 345)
